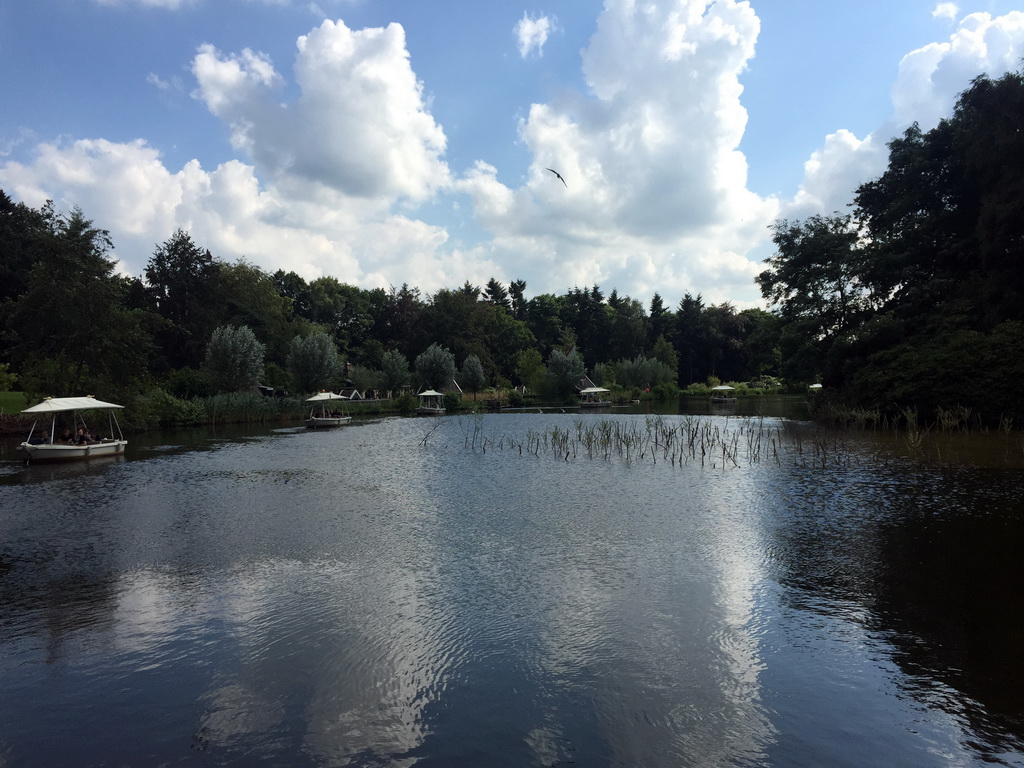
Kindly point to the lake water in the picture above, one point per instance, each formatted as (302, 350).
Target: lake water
(517, 590)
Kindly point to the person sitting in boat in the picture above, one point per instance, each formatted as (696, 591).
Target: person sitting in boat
(66, 437)
(83, 437)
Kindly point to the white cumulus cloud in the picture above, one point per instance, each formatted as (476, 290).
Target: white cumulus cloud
(930, 80)
(315, 188)
(340, 165)
(360, 127)
(532, 34)
(656, 194)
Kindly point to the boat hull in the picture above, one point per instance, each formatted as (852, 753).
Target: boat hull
(318, 422)
(426, 410)
(59, 452)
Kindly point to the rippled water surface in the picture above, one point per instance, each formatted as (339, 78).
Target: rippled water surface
(508, 590)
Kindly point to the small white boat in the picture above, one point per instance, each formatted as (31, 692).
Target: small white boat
(723, 394)
(431, 403)
(595, 397)
(321, 414)
(76, 441)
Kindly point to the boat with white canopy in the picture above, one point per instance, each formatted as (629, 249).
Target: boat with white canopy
(723, 394)
(322, 414)
(595, 397)
(431, 403)
(76, 439)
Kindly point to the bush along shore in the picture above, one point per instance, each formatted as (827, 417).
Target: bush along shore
(158, 409)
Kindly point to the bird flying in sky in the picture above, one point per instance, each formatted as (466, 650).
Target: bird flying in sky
(559, 176)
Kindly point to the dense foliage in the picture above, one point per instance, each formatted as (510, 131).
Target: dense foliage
(71, 324)
(916, 298)
(913, 298)
(234, 358)
(313, 362)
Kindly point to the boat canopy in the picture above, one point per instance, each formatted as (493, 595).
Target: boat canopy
(594, 391)
(320, 397)
(58, 404)
(722, 388)
(429, 393)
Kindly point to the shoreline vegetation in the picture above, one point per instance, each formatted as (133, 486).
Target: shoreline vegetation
(826, 440)
(907, 311)
(159, 410)
(733, 442)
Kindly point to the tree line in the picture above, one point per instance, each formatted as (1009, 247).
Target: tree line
(915, 297)
(71, 323)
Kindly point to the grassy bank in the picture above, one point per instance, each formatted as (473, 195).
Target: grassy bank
(11, 420)
(12, 402)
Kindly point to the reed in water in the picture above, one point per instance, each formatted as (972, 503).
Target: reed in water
(733, 442)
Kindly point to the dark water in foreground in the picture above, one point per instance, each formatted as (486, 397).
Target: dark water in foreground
(479, 592)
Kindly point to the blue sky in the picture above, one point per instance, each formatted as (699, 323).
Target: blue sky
(405, 141)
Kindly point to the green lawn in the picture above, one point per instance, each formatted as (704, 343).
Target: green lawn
(12, 402)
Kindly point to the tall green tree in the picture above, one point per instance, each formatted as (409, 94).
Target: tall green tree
(906, 301)
(495, 293)
(544, 319)
(628, 330)
(398, 319)
(564, 371)
(183, 281)
(944, 220)
(530, 370)
(815, 279)
(643, 372)
(364, 378)
(395, 368)
(293, 288)
(22, 232)
(664, 352)
(692, 340)
(71, 329)
(761, 345)
(435, 367)
(313, 362)
(727, 332)
(584, 311)
(815, 272)
(249, 298)
(472, 375)
(343, 310)
(660, 320)
(458, 321)
(504, 337)
(234, 358)
(517, 299)
(7, 379)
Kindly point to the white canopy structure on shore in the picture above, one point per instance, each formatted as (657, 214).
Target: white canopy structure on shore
(431, 403)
